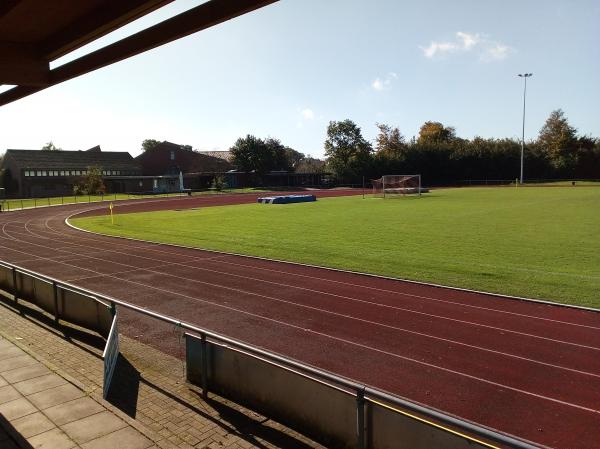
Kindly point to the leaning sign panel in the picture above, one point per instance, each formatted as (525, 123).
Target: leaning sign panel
(110, 355)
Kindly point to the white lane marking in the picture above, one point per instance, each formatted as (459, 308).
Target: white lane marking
(383, 325)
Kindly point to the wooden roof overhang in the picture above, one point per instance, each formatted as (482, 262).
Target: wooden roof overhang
(34, 33)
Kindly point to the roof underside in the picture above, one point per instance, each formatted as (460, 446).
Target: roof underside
(34, 33)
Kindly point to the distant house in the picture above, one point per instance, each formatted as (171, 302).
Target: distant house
(166, 160)
(225, 155)
(37, 173)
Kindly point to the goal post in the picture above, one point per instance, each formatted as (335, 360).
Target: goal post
(390, 185)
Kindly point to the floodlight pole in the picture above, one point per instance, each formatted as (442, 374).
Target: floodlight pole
(524, 76)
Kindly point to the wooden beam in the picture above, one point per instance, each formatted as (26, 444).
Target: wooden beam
(199, 18)
(109, 17)
(20, 64)
(7, 5)
(196, 19)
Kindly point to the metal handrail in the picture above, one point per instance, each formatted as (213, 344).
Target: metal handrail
(368, 394)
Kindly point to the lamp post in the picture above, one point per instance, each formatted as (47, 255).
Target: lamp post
(524, 76)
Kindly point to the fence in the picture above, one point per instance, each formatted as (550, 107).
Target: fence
(33, 203)
(335, 411)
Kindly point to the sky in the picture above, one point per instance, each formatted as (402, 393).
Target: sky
(288, 69)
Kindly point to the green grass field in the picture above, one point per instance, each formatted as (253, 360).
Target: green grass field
(533, 242)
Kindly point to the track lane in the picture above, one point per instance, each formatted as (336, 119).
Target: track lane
(344, 295)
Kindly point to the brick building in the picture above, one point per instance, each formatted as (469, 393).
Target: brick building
(166, 160)
(37, 173)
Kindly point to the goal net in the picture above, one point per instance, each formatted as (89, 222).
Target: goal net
(397, 185)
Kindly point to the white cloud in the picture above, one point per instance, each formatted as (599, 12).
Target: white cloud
(380, 84)
(307, 114)
(496, 52)
(468, 40)
(487, 49)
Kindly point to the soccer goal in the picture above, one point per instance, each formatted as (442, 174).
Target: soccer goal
(389, 185)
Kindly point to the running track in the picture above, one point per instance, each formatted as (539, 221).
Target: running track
(527, 369)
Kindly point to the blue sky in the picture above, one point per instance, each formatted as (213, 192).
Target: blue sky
(287, 69)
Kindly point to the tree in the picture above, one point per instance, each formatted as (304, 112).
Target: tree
(293, 158)
(390, 141)
(348, 153)
(251, 153)
(91, 183)
(278, 157)
(51, 147)
(435, 132)
(149, 144)
(558, 141)
(310, 165)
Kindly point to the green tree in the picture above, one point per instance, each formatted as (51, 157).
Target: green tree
(348, 153)
(218, 183)
(558, 141)
(293, 158)
(390, 141)
(310, 165)
(435, 132)
(277, 155)
(91, 183)
(51, 147)
(251, 153)
(149, 144)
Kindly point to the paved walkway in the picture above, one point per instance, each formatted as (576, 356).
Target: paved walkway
(63, 363)
(40, 409)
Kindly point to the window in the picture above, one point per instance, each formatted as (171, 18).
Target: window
(39, 173)
(62, 173)
(118, 172)
(26, 173)
(44, 173)
(172, 155)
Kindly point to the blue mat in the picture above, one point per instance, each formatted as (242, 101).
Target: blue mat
(287, 199)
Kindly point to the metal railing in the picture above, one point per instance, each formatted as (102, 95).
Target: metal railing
(8, 205)
(363, 393)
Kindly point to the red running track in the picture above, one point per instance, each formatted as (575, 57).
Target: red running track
(528, 369)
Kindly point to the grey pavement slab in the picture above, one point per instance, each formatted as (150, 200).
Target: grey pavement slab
(52, 439)
(25, 372)
(126, 438)
(8, 393)
(55, 396)
(33, 424)
(16, 362)
(73, 410)
(49, 412)
(31, 386)
(10, 351)
(15, 409)
(92, 427)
